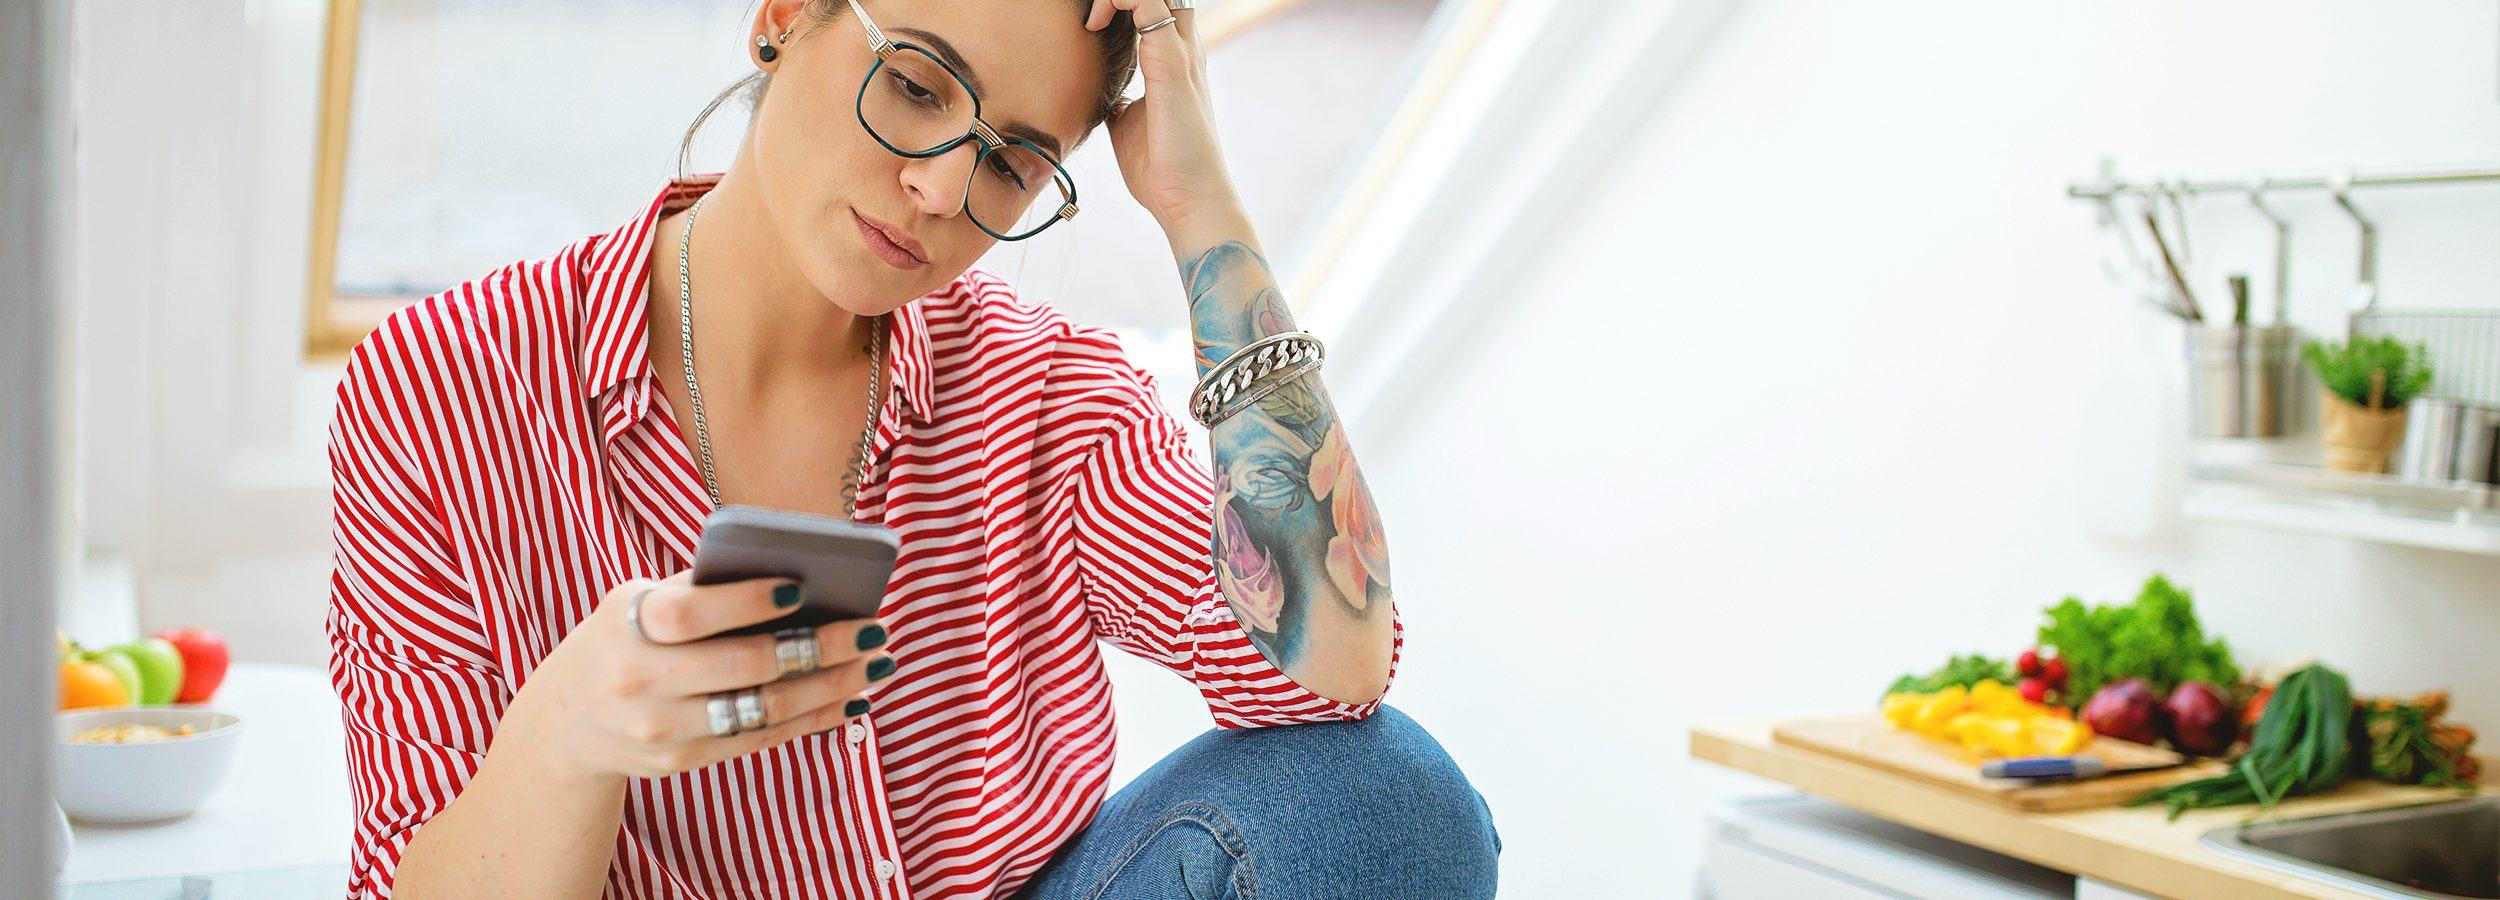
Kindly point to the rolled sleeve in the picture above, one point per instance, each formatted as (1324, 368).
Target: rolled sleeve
(1144, 523)
(418, 690)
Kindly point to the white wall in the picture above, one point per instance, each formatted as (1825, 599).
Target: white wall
(199, 429)
(1817, 380)
(1820, 382)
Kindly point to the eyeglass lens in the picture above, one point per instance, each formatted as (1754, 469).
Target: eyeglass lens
(914, 104)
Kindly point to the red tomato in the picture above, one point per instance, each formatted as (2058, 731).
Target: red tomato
(2034, 690)
(204, 661)
(2054, 672)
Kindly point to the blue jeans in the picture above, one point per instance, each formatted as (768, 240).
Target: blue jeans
(1371, 809)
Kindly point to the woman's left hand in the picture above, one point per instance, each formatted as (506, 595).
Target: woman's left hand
(1165, 141)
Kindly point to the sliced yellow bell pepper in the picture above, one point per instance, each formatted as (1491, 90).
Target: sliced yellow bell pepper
(1940, 708)
(1988, 720)
(2052, 736)
(1902, 708)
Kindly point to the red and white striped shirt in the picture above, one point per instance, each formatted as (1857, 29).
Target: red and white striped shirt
(502, 455)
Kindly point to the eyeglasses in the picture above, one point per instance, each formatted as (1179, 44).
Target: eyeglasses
(918, 107)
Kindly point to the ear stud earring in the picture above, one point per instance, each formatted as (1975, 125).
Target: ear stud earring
(764, 49)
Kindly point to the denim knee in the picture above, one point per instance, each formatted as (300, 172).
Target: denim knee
(1374, 808)
(1192, 851)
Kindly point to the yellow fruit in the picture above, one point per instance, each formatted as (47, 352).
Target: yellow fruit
(1900, 708)
(1989, 719)
(2051, 736)
(1961, 723)
(1995, 736)
(1938, 709)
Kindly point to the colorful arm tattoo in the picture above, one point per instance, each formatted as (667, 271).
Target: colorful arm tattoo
(1299, 550)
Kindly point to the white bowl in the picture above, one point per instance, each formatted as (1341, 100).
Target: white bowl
(144, 781)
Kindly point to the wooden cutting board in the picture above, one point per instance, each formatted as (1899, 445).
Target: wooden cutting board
(1869, 740)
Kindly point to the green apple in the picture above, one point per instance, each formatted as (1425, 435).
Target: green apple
(123, 669)
(160, 668)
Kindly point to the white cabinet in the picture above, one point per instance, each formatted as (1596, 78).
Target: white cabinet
(1791, 846)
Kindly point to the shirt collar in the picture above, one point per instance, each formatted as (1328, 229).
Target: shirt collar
(616, 268)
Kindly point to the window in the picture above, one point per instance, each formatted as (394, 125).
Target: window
(458, 135)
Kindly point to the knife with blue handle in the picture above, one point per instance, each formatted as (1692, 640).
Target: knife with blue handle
(2042, 767)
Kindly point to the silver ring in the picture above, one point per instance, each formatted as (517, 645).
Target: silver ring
(633, 615)
(724, 718)
(1167, 20)
(750, 702)
(1178, 5)
(795, 651)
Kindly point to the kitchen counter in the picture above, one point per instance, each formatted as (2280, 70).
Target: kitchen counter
(283, 808)
(2132, 848)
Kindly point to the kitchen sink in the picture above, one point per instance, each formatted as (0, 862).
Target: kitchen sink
(2444, 849)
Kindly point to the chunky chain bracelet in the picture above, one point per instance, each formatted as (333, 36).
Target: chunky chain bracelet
(1252, 372)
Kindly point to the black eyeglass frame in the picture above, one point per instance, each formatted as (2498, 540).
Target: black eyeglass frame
(990, 139)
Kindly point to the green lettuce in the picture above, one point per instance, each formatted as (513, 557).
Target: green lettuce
(2156, 638)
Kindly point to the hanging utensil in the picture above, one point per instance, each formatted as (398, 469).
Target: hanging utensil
(2131, 269)
(2171, 193)
(2282, 249)
(2365, 291)
(2170, 262)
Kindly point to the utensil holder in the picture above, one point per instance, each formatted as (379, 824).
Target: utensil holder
(2430, 444)
(2238, 379)
(2477, 457)
(2449, 440)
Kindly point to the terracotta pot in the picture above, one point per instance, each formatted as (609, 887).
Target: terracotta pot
(2358, 438)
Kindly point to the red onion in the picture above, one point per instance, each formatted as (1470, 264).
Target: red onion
(2202, 721)
(2127, 710)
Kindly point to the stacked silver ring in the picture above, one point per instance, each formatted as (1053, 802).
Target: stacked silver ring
(750, 709)
(735, 712)
(722, 713)
(795, 651)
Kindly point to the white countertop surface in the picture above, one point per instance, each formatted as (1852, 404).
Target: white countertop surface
(281, 826)
(283, 806)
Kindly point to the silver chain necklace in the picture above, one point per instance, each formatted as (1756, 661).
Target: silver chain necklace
(694, 393)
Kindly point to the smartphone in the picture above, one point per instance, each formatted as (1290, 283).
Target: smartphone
(841, 565)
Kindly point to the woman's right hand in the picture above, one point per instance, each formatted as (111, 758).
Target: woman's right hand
(607, 704)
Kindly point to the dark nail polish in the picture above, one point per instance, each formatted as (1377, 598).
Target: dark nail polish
(854, 708)
(880, 667)
(872, 637)
(786, 595)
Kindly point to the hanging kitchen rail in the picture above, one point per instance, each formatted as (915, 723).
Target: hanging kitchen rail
(2104, 187)
(2460, 515)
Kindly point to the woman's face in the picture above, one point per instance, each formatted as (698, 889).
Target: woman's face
(1033, 63)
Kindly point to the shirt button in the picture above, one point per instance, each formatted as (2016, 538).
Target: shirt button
(856, 733)
(885, 868)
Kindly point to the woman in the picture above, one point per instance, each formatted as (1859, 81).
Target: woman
(531, 695)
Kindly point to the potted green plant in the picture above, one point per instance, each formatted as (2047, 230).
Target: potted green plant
(2366, 383)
